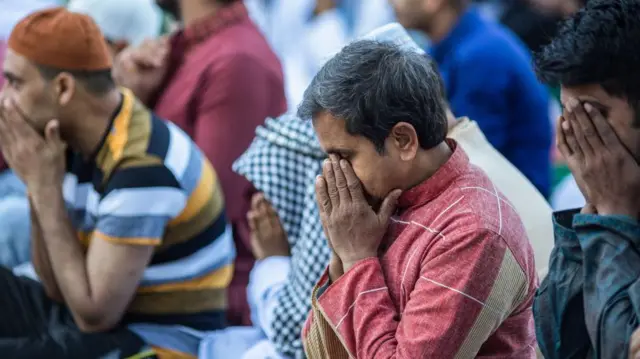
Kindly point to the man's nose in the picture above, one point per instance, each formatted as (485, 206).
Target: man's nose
(5, 95)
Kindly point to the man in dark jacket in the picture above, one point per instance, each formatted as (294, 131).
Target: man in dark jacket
(589, 303)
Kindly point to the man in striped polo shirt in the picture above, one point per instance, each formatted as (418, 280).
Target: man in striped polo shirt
(129, 237)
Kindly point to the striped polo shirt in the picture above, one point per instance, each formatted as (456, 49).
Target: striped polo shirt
(148, 184)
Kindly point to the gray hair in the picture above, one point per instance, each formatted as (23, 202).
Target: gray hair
(373, 86)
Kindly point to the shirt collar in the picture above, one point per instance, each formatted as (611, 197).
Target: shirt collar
(432, 187)
(566, 239)
(203, 28)
(467, 24)
(112, 142)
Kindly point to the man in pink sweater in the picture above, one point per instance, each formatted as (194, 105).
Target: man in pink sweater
(429, 258)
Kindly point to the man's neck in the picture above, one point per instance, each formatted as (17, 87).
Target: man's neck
(86, 133)
(441, 24)
(192, 11)
(428, 163)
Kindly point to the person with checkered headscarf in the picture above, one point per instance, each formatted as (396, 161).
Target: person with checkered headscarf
(288, 241)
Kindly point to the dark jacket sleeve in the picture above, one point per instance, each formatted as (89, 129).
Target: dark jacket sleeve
(558, 307)
(611, 274)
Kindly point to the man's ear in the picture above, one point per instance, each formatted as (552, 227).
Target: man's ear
(65, 87)
(405, 140)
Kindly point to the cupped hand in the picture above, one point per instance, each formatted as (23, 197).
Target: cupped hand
(268, 238)
(605, 171)
(142, 68)
(354, 229)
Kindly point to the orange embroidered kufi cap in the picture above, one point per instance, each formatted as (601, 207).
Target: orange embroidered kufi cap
(61, 39)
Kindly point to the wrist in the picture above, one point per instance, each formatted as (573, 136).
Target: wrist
(44, 186)
(274, 255)
(335, 268)
(45, 196)
(347, 265)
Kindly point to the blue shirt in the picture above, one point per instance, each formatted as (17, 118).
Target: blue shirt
(488, 77)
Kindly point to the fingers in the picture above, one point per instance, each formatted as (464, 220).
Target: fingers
(322, 197)
(388, 206)
(576, 136)
(262, 218)
(341, 181)
(584, 130)
(152, 53)
(569, 135)
(561, 141)
(602, 126)
(252, 219)
(253, 216)
(353, 183)
(330, 178)
(4, 129)
(273, 218)
(15, 126)
(255, 200)
(145, 60)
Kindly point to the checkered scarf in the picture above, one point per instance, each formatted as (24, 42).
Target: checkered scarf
(283, 162)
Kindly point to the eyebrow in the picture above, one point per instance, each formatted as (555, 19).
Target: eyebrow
(341, 152)
(11, 77)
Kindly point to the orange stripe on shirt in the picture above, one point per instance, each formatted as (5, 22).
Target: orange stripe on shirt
(136, 241)
(171, 354)
(217, 279)
(200, 195)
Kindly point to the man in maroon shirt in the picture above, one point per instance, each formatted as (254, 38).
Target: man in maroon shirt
(218, 80)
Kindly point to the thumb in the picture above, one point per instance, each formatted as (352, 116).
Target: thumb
(389, 205)
(52, 132)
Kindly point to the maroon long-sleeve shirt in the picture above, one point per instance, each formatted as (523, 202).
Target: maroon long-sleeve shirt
(223, 82)
(457, 280)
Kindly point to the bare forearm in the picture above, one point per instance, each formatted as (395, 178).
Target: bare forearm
(40, 259)
(65, 254)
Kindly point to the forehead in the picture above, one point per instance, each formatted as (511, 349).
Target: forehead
(18, 65)
(590, 93)
(332, 133)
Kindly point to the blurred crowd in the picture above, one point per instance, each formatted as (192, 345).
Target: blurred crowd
(319, 178)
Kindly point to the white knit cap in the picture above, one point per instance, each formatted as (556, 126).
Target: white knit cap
(132, 21)
(390, 33)
(396, 34)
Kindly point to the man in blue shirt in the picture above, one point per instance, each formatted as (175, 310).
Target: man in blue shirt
(488, 77)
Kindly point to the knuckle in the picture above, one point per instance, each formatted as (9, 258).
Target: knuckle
(341, 185)
(326, 203)
(354, 186)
